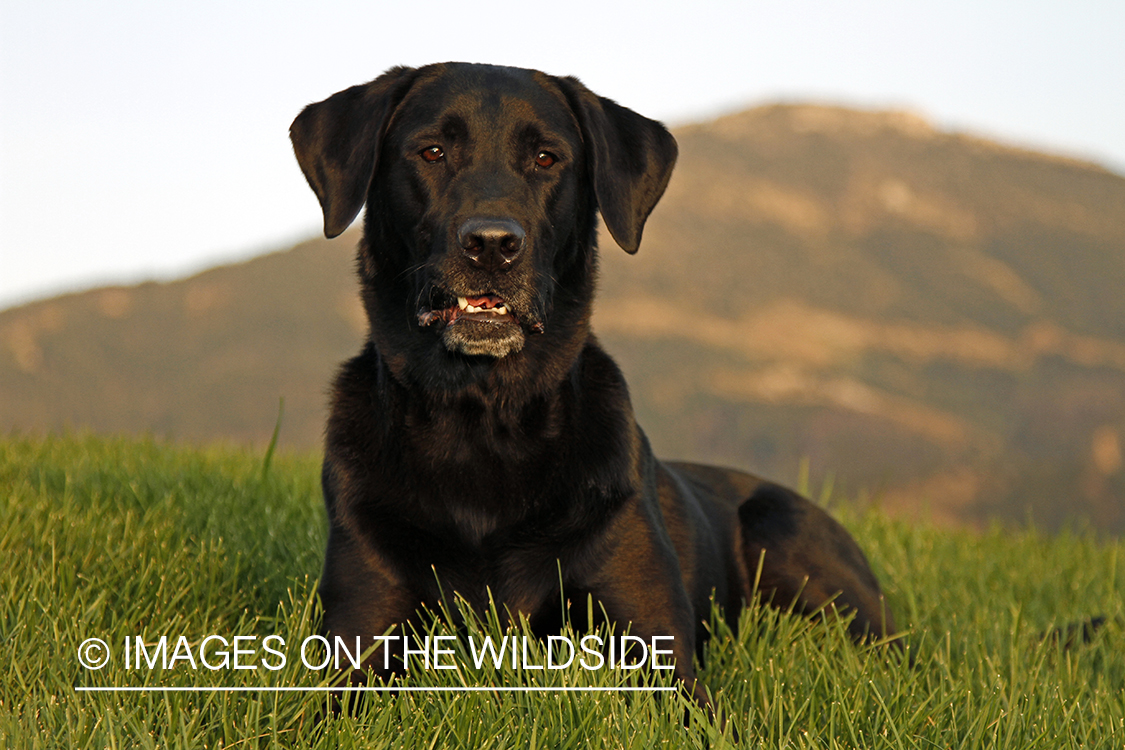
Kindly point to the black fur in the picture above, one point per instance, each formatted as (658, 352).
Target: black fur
(499, 448)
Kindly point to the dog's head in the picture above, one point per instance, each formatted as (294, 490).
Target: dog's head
(481, 185)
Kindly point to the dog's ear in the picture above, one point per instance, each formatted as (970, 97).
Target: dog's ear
(337, 141)
(631, 159)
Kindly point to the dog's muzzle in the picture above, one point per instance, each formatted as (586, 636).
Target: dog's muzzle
(480, 321)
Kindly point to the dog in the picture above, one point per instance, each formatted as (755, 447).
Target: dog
(482, 442)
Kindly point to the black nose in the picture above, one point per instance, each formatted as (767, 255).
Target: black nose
(491, 244)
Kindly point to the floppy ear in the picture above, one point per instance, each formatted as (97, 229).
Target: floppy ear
(631, 159)
(337, 141)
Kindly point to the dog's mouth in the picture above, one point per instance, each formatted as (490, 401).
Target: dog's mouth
(481, 308)
(476, 324)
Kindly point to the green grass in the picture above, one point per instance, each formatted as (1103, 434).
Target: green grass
(114, 538)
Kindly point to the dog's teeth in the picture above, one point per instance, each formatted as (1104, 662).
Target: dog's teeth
(467, 307)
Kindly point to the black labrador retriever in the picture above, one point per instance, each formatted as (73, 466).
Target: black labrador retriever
(482, 442)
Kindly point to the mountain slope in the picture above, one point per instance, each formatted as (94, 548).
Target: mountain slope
(923, 312)
(200, 359)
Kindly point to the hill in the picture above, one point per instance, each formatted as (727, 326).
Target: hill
(199, 359)
(929, 316)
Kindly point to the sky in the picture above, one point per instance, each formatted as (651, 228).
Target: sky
(143, 140)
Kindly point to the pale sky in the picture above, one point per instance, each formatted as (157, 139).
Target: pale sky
(149, 139)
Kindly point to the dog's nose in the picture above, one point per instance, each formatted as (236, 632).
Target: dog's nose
(491, 244)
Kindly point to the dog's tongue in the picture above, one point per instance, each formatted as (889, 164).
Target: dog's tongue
(487, 301)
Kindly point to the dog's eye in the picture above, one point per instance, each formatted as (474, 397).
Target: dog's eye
(432, 154)
(545, 159)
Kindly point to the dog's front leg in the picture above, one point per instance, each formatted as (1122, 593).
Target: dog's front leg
(640, 587)
(362, 602)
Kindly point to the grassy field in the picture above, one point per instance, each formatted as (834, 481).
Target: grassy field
(117, 539)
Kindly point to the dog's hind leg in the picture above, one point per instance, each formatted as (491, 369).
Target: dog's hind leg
(807, 560)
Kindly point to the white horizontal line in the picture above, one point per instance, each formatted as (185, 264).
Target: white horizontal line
(404, 689)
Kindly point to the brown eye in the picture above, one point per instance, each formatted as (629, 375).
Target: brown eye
(545, 159)
(432, 154)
